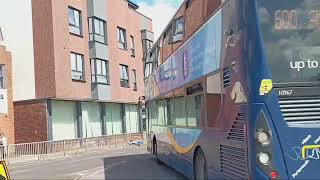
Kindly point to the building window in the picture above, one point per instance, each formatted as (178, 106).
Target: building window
(3, 76)
(100, 71)
(124, 76)
(134, 73)
(97, 30)
(132, 46)
(167, 37)
(150, 64)
(77, 69)
(178, 29)
(75, 21)
(122, 39)
(147, 45)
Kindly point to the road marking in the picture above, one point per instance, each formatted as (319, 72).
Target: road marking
(105, 155)
(107, 167)
(17, 172)
(83, 171)
(64, 159)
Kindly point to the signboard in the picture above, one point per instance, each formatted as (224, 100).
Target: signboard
(4, 174)
(3, 101)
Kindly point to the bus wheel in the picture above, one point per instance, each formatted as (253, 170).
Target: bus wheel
(200, 166)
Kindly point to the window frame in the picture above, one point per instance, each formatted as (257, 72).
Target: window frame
(3, 80)
(92, 30)
(150, 63)
(126, 83)
(167, 36)
(77, 71)
(120, 29)
(95, 74)
(74, 25)
(132, 46)
(178, 36)
(135, 85)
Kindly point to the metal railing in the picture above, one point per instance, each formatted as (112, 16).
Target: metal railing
(57, 149)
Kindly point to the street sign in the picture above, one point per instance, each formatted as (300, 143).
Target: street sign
(4, 174)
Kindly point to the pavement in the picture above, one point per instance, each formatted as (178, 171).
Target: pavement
(132, 162)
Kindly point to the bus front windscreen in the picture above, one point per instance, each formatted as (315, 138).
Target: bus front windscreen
(291, 38)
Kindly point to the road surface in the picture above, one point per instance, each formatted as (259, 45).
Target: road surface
(129, 163)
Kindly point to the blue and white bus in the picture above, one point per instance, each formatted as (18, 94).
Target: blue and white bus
(240, 98)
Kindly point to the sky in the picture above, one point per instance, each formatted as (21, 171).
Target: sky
(160, 11)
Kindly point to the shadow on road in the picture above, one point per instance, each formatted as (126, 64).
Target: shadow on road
(142, 166)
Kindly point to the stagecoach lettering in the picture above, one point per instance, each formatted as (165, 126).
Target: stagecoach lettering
(305, 140)
(300, 169)
(317, 140)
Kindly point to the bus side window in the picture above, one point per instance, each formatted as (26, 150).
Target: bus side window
(194, 110)
(213, 100)
(161, 112)
(153, 112)
(180, 111)
(170, 113)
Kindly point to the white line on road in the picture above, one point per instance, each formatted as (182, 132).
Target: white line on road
(81, 172)
(105, 155)
(63, 160)
(107, 167)
(17, 172)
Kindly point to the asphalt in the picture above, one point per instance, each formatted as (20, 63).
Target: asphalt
(130, 163)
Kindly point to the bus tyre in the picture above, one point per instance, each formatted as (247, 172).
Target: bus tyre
(200, 166)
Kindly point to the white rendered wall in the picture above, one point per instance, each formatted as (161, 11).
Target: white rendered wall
(16, 25)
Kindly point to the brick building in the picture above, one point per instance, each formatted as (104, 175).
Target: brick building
(6, 99)
(78, 69)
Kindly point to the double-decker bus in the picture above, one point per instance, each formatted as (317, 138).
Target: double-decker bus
(238, 97)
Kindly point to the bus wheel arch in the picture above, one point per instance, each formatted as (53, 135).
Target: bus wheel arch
(199, 164)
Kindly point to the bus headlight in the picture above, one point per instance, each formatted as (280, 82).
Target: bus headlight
(264, 158)
(263, 138)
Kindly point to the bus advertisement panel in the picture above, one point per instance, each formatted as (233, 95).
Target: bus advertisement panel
(240, 98)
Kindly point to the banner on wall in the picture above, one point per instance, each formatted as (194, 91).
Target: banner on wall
(3, 101)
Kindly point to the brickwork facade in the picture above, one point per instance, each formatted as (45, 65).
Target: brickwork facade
(31, 123)
(75, 103)
(43, 49)
(129, 20)
(7, 119)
